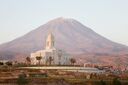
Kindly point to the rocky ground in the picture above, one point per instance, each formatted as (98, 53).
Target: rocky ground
(15, 76)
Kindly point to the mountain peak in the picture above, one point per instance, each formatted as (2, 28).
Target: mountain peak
(64, 18)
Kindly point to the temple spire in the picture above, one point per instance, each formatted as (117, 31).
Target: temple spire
(50, 41)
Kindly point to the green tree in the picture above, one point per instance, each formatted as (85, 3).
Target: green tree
(73, 61)
(28, 60)
(39, 59)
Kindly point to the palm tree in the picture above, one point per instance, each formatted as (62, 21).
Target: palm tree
(38, 58)
(50, 60)
(28, 60)
(73, 61)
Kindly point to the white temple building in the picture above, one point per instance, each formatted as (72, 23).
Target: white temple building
(50, 55)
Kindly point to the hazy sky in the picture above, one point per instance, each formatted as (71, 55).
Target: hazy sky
(107, 17)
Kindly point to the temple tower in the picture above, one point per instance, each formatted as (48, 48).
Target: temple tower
(50, 41)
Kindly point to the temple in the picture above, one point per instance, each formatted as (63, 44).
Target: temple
(50, 55)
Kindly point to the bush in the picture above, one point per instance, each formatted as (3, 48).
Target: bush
(1, 63)
(116, 82)
(22, 79)
(102, 82)
(9, 63)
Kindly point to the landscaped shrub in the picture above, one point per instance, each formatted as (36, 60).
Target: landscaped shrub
(22, 79)
(116, 82)
(102, 82)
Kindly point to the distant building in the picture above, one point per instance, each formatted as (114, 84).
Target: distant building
(50, 55)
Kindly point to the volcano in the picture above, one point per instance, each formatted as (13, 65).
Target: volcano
(70, 35)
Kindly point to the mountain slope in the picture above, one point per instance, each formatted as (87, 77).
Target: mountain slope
(70, 35)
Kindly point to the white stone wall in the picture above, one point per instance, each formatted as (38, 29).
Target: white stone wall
(59, 57)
